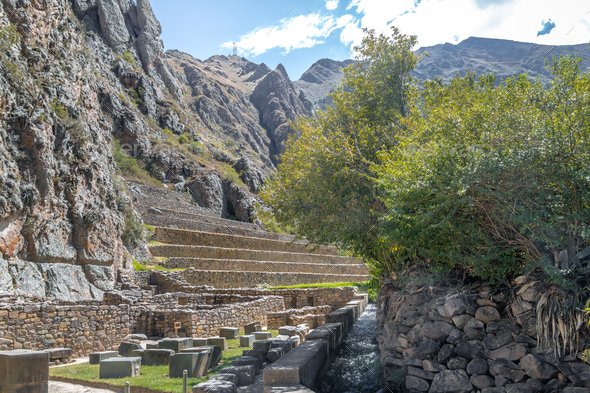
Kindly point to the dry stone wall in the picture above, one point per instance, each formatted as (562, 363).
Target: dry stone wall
(294, 298)
(440, 340)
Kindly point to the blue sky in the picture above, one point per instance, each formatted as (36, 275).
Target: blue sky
(298, 33)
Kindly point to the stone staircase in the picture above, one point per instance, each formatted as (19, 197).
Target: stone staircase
(227, 253)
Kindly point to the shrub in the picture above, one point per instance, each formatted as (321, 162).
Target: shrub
(128, 57)
(196, 148)
(134, 231)
(130, 167)
(231, 176)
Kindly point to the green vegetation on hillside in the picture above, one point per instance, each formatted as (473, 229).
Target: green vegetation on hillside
(458, 176)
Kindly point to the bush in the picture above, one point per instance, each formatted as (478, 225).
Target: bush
(230, 175)
(196, 148)
(134, 232)
(130, 167)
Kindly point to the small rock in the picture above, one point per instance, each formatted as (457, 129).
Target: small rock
(555, 385)
(505, 368)
(478, 367)
(500, 381)
(513, 351)
(494, 390)
(445, 353)
(492, 342)
(468, 350)
(417, 372)
(461, 320)
(482, 381)
(438, 331)
(538, 368)
(487, 314)
(486, 302)
(518, 388)
(573, 389)
(455, 336)
(452, 307)
(474, 323)
(474, 334)
(455, 381)
(413, 361)
(417, 384)
(457, 363)
(427, 349)
(535, 385)
(432, 366)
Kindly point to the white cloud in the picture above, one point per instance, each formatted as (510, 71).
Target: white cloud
(332, 4)
(436, 21)
(304, 31)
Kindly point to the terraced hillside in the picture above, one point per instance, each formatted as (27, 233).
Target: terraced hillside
(227, 253)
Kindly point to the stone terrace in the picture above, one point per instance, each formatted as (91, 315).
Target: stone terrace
(227, 253)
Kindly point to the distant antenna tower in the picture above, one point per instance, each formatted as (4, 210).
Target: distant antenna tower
(235, 49)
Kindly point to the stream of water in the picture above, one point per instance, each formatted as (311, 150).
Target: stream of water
(356, 368)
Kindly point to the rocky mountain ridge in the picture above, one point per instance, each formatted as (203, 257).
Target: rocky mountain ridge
(504, 58)
(86, 87)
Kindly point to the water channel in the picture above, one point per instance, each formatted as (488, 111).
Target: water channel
(356, 368)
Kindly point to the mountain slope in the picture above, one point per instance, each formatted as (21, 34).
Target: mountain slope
(504, 58)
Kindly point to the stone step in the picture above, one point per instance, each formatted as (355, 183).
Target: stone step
(165, 220)
(264, 266)
(173, 204)
(158, 192)
(191, 217)
(180, 251)
(234, 279)
(199, 238)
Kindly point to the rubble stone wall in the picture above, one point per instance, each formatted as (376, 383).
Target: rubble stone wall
(479, 340)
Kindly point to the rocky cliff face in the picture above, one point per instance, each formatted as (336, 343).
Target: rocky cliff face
(321, 79)
(279, 102)
(78, 75)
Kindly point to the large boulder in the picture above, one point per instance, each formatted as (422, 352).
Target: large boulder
(68, 282)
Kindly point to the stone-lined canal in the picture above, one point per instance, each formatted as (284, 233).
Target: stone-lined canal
(356, 368)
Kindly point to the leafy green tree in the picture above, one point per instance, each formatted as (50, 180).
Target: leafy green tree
(489, 179)
(325, 182)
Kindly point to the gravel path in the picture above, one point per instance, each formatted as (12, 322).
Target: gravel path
(61, 387)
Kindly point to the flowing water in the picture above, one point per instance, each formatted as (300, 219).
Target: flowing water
(356, 368)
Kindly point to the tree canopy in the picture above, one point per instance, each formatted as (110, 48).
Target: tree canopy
(462, 174)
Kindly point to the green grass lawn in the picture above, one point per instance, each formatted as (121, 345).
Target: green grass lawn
(360, 285)
(153, 377)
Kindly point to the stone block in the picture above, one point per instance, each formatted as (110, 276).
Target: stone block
(125, 348)
(23, 370)
(215, 386)
(59, 353)
(264, 346)
(275, 354)
(288, 330)
(176, 344)
(287, 345)
(233, 378)
(304, 326)
(215, 354)
(252, 327)
(247, 341)
(255, 354)
(221, 342)
(119, 367)
(262, 335)
(245, 374)
(331, 332)
(344, 316)
(96, 357)
(247, 361)
(305, 365)
(152, 344)
(229, 333)
(199, 342)
(195, 363)
(156, 357)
